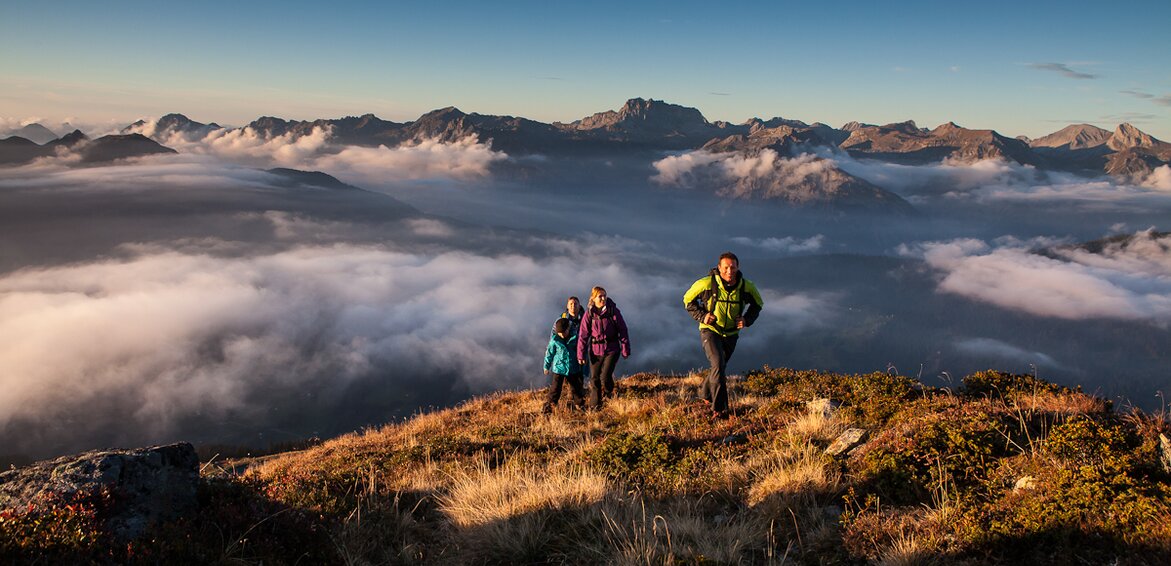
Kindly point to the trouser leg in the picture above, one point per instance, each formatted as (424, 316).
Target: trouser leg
(608, 365)
(595, 382)
(576, 393)
(718, 350)
(601, 373)
(554, 390)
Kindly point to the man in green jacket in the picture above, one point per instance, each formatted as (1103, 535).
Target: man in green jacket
(723, 302)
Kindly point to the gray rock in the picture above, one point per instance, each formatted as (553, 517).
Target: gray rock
(1165, 448)
(147, 485)
(1025, 483)
(848, 441)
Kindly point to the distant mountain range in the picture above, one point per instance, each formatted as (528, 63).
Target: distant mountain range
(643, 125)
(16, 150)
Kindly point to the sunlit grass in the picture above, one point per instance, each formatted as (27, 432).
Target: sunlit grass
(652, 478)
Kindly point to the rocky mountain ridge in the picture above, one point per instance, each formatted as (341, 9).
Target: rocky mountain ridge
(656, 126)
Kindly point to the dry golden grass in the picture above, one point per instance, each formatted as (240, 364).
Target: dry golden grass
(1061, 403)
(495, 481)
(482, 495)
(792, 474)
(817, 424)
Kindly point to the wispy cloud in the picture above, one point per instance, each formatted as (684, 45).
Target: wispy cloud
(1164, 100)
(1133, 117)
(720, 93)
(1137, 94)
(1063, 69)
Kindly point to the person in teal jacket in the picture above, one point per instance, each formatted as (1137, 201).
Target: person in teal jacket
(723, 303)
(561, 361)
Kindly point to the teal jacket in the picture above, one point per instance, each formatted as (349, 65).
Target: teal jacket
(560, 357)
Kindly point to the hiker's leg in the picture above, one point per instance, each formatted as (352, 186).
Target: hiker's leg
(576, 393)
(595, 382)
(713, 349)
(609, 361)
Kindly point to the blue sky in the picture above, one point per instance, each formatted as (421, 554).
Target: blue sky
(1017, 67)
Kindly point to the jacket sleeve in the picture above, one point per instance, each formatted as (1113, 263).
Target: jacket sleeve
(623, 335)
(693, 301)
(583, 336)
(550, 350)
(754, 301)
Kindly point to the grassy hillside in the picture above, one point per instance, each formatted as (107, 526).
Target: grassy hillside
(1002, 469)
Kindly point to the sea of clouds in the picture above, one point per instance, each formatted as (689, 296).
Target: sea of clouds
(268, 311)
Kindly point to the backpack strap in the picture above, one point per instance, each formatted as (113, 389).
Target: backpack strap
(715, 293)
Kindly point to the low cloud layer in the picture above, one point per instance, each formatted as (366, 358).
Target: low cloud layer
(1005, 354)
(465, 159)
(189, 296)
(1127, 282)
(744, 171)
(169, 336)
(787, 244)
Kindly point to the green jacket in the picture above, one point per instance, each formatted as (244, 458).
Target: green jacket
(711, 295)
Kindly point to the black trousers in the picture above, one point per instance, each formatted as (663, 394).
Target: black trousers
(602, 378)
(718, 350)
(576, 393)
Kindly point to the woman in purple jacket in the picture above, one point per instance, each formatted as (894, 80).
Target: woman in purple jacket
(601, 338)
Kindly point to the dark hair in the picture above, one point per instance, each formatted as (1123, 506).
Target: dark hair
(561, 325)
(728, 255)
(572, 298)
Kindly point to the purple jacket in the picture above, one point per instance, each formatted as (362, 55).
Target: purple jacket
(602, 332)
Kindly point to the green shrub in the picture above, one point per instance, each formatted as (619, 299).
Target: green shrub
(640, 459)
(871, 399)
(937, 454)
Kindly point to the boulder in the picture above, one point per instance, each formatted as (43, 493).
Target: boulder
(1165, 452)
(848, 441)
(138, 487)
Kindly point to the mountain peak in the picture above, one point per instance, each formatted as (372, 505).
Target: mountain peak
(646, 116)
(946, 128)
(34, 132)
(72, 138)
(1074, 136)
(446, 113)
(1127, 136)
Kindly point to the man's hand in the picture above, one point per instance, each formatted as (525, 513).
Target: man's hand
(546, 372)
(709, 318)
(581, 362)
(740, 322)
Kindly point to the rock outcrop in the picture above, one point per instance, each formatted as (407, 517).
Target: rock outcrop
(904, 142)
(143, 486)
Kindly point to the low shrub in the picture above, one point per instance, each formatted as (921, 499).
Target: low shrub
(870, 399)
